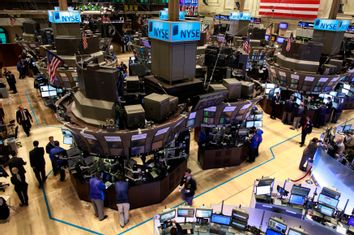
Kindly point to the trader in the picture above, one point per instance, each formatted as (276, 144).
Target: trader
(37, 161)
(190, 186)
(306, 129)
(275, 105)
(24, 119)
(121, 187)
(97, 188)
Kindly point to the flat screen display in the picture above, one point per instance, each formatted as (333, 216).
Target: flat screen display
(258, 124)
(298, 190)
(280, 40)
(67, 137)
(238, 225)
(272, 232)
(283, 25)
(168, 215)
(267, 37)
(250, 124)
(185, 212)
(326, 210)
(190, 122)
(220, 219)
(263, 190)
(347, 128)
(332, 202)
(351, 220)
(277, 226)
(293, 232)
(203, 213)
(297, 200)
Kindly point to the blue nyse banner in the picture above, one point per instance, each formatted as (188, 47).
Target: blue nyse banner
(240, 16)
(331, 25)
(64, 16)
(164, 15)
(174, 31)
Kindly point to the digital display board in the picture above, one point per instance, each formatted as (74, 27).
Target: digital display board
(283, 25)
(164, 15)
(331, 25)
(240, 16)
(64, 16)
(174, 31)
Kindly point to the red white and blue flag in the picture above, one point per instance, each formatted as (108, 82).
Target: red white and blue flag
(246, 46)
(288, 44)
(295, 9)
(53, 63)
(84, 40)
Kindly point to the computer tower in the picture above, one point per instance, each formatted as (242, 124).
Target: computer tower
(234, 88)
(135, 116)
(133, 84)
(157, 107)
(247, 89)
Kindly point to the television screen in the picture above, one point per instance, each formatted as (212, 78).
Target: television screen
(203, 213)
(190, 122)
(238, 225)
(272, 232)
(280, 40)
(250, 124)
(258, 116)
(297, 200)
(263, 190)
(346, 86)
(220, 219)
(293, 232)
(323, 199)
(277, 226)
(347, 128)
(185, 212)
(326, 210)
(258, 124)
(351, 220)
(168, 215)
(267, 37)
(298, 190)
(283, 25)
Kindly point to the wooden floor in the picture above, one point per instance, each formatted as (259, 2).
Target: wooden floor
(59, 211)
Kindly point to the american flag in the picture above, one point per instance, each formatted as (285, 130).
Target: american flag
(246, 46)
(288, 44)
(84, 40)
(295, 9)
(12, 20)
(53, 62)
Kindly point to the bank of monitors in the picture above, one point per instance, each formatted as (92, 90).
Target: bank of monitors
(209, 115)
(298, 195)
(256, 124)
(137, 144)
(227, 114)
(268, 87)
(167, 215)
(204, 213)
(48, 91)
(185, 212)
(264, 187)
(220, 219)
(67, 137)
(191, 120)
(239, 219)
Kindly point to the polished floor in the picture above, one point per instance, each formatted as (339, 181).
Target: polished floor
(57, 209)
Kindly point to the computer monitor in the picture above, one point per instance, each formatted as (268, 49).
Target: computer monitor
(185, 212)
(298, 190)
(280, 40)
(326, 210)
(297, 200)
(263, 190)
(67, 137)
(258, 117)
(238, 224)
(294, 232)
(203, 213)
(351, 220)
(190, 123)
(267, 37)
(220, 219)
(146, 43)
(345, 91)
(283, 25)
(167, 215)
(258, 124)
(347, 128)
(326, 200)
(276, 225)
(270, 85)
(249, 124)
(272, 232)
(346, 86)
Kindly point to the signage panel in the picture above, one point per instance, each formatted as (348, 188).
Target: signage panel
(164, 15)
(331, 25)
(240, 16)
(174, 31)
(64, 16)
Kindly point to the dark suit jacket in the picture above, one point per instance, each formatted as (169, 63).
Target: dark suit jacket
(19, 117)
(36, 157)
(18, 163)
(19, 185)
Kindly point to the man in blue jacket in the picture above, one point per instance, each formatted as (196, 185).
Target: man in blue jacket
(97, 188)
(121, 187)
(255, 141)
(56, 156)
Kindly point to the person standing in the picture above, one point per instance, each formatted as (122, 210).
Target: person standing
(56, 156)
(288, 110)
(97, 188)
(16, 162)
(308, 155)
(24, 118)
(21, 68)
(306, 129)
(255, 141)
(11, 80)
(21, 186)
(275, 105)
(121, 187)
(36, 156)
(49, 147)
(299, 113)
(188, 186)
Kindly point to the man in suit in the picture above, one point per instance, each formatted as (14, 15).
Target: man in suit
(24, 118)
(57, 156)
(16, 162)
(38, 163)
(48, 148)
(306, 129)
(275, 105)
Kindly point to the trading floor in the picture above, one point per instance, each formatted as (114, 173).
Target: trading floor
(56, 209)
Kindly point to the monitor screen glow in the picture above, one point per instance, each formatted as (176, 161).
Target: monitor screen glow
(203, 213)
(297, 200)
(293, 232)
(263, 190)
(326, 210)
(332, 202)
(185, 212)
(168, 215)
(220, 219)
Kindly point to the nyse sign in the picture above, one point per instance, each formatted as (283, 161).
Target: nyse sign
(64, 16)
(331, 25)
(240, 16)
(174, 31)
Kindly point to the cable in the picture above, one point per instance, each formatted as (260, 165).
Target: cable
(301, 178)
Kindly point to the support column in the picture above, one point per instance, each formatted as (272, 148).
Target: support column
(63, 5)
(242, 5)
(173, 10)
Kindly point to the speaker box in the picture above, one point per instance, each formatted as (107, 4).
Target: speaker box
(133, 84)
(234, 88)
(135, 116)
(157, 107)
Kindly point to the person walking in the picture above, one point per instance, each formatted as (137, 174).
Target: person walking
(56, 156)
(275, 105)
(188, 186)
(299, 113)
(21, 186)
(97, 188)
(255, 141)
(11, 80)
(121, 187)
(24, 118)
(306, 129)
(49, 147)
(36, 156)
(17, 162)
